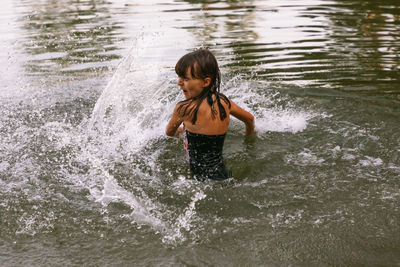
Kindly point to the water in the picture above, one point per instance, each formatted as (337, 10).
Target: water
(87, 176)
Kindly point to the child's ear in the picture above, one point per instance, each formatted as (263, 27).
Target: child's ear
(207, 82)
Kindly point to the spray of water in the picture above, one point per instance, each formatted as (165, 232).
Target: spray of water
(126, 128)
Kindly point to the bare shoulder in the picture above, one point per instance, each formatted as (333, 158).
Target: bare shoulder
(182, 107)
(233, 107)
(225, 101)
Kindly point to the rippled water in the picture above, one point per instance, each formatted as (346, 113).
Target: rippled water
(87, 176)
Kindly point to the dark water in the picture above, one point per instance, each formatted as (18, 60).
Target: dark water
(87, 177)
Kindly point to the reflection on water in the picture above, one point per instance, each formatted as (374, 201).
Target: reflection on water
(366, 35)
(223, 22)
(69, 36)
(328, 44)
(341, 45)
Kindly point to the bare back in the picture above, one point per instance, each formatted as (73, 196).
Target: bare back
(207, 123)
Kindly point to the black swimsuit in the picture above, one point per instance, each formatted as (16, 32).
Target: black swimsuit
(204, 155)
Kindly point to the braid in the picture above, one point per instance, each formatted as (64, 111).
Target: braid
(191, 106)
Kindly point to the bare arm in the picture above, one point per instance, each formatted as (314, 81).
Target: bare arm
(244, 116)
(176, 120)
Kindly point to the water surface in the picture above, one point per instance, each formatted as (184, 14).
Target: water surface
(87, 176)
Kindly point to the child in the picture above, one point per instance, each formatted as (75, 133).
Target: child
(204, 114)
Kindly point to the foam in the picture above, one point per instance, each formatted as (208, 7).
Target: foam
(142, 208)
(305, 157)
(371, 162)
(272, 112)
(283, 121)
(185, 220)
(131, 114)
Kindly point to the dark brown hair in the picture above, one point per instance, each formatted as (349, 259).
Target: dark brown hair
(202, 64)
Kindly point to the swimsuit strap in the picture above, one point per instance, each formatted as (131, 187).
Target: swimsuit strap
(185, 145)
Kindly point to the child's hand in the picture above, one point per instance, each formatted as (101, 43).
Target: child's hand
(250, 128)
(179, 132)
(249, 132)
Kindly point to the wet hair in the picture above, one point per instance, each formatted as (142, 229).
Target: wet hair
(202, 64)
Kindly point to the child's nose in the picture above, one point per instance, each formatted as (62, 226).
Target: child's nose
(180, 80)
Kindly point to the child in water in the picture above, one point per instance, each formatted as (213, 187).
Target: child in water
(204, 114)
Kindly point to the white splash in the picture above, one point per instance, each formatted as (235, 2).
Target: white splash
(265, 104)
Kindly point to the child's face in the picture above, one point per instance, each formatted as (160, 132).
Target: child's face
(192, 87)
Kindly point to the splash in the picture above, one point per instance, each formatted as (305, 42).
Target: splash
(185, 221)
(273, 112)
(127, 127)
(129, 116)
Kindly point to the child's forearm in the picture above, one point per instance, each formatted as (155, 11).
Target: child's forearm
(250, 126)
(246, 117)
